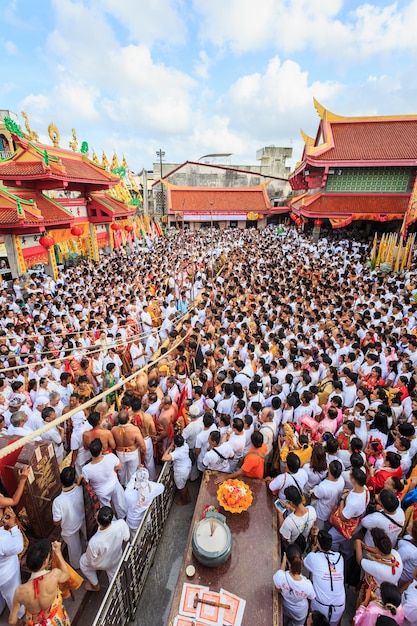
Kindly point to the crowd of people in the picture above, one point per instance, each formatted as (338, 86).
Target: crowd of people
(278, 359)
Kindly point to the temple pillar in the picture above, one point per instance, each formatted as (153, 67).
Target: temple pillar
(93, 251)
(15, 255)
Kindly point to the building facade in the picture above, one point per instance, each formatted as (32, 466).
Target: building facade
(356, 169)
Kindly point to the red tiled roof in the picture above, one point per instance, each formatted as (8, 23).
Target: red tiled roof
(217, 200)
(28, 162)
(333, 206)
(11, 168)
(385, 140)
(111, 206)
(82, 170)
(46, 211)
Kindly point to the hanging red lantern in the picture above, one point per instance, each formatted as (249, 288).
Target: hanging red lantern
(115, 226)
(47, 241)
(128, 228)
(293, 216)
(77, 231)
(318, 222)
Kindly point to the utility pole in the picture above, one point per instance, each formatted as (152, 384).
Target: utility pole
(160, 153)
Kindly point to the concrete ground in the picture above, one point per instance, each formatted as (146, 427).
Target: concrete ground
(158, 592)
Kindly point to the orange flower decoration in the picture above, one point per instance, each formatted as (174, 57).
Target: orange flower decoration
(234, 496)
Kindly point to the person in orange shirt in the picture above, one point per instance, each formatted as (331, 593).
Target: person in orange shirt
(253, 465)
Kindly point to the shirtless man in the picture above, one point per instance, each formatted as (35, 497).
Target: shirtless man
(129, 446)
(41, 596)
(97, 431)
(165, 424)
(146, 425)
(141, 384)
(108, 418)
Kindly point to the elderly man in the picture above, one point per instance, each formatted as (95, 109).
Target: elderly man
(105, 548)
(269, 431)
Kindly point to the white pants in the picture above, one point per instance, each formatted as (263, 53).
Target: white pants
(337, 611)
(7, 589)
(149, 460)
(91, 573)
(130, 462)
(115, 497)
(75, 544)
(340, 543)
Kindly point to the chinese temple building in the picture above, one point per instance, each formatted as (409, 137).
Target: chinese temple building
(200, 194)
(356, 168)
(57, 204)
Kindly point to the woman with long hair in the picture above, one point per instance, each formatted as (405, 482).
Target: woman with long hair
(295, 589)
(317, 467)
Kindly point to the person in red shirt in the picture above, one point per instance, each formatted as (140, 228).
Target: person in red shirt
(391, 468)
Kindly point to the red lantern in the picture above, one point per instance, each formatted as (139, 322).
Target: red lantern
(47, 241)
(318, 222)
(293, 216)
(128, 228)
(77, 231)
(115, 226)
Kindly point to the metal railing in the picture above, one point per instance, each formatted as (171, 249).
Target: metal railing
(121, 600)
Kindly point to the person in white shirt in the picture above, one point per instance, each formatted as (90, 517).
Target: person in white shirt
(105, 548)
(389, 516)
(218, 454)
(178, 453)
(352, 505)
(409, 601)
(11, 545)
(407, 547)
(327, 569)
(139, 494)
(294, 476)
(236, 440)
(295, 589)
(327, 494)
(68, 514)
(101, 474)
(190, 433)
(300, 520)
(55, 434)
(383, 564)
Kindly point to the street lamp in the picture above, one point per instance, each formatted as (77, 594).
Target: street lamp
(160, 154)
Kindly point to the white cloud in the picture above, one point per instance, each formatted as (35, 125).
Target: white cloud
(147, 22)
(9, 47)
(275, 103)
(201, 67)
(296, 25)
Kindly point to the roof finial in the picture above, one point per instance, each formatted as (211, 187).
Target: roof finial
(74, 143)
(30, 134)
(54, 135)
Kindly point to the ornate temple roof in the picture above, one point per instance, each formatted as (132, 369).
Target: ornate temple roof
(351, 206)
(31, 209)
(208, 200)
(53, 167)
(376, 140)
(101, 204)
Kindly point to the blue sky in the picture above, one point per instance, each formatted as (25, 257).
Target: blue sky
(200, 76)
